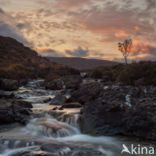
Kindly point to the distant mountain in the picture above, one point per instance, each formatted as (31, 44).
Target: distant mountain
(20, 62)
(81, 63)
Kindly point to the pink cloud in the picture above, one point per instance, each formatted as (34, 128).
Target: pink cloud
(140, 48)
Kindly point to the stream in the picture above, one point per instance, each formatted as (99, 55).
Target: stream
(55, 132)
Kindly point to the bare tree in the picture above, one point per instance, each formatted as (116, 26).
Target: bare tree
(125, 48)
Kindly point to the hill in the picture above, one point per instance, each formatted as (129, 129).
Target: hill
(18, 61)
(81, 63)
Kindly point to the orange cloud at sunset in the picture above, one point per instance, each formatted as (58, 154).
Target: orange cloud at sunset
(143, 48)
(120, 34)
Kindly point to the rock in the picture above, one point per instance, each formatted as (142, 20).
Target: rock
(68, 82)
(71, 105)
(47, 100)
(8, 84)
(44, 147)
(109, 113)
(141, 121)
(57, 84)
(87, 92)
(139, 82)
(55, 108)
(81, 111)
(32, 152)
(58, 100)
(57, 148)
(70, 150)
(23, 82)
(6, 94)
(61, 108)
(72, 81)
(14, 111)
(24, 104)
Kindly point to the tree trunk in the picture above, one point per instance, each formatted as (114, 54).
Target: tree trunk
(125, 60)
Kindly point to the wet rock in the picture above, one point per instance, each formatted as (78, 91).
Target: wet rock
(140, 121)
(57, 84)
(55, 108)
(22, 103)
(87, 92)
(72, 81)
(70, 150)
(81, 111)
(47, 100)
(58, 100)
(23, 82)
(6, 94)
(14, 111)
(8, 84)
(68, 82)
(87, 153)
(55, 148)
(61, 108)
(123, 110)
(71, 105)
(32, 152)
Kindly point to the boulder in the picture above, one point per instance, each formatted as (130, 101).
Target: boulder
(56, 84)
(55, 108)
(14, 111)
(22, 103)
(58, 100)
(23, 82)
(6, 94)
(122, 110)
(72, 81)
(86, 92)
(8, 84)
(140, 121)
(68, 82)
(71, 105)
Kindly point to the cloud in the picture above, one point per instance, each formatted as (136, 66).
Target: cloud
(6, 2)
(114, 21)
(79, 52)
(8, 27)
(65, 4)
(151, 4)
(6, 30)
(50, 52)
(143, 48)
(1, 11)
(97, 24)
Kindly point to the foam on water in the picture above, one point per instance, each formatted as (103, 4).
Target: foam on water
(9, 152)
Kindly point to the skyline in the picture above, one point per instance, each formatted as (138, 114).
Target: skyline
(84, 28)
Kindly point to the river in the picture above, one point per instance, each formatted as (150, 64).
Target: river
(55, 133)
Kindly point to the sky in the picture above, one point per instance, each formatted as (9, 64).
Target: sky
(82, 28)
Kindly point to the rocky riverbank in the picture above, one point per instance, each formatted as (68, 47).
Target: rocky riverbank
(106, 108)
(73, 121)
(112, 109)
(12, 109)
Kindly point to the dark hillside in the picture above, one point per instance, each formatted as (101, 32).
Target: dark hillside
(18, 61)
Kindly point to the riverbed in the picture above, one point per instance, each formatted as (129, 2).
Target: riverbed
(56, 132)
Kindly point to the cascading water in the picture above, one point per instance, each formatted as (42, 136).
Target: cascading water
(53, 127)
